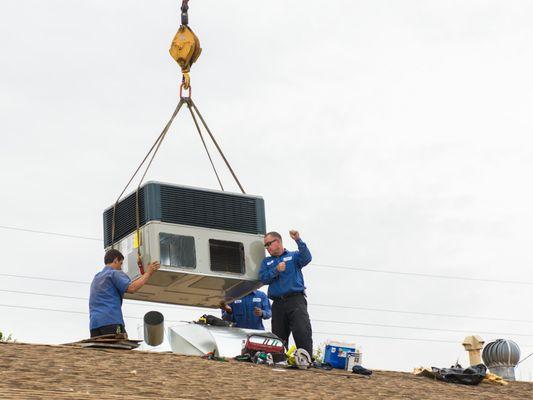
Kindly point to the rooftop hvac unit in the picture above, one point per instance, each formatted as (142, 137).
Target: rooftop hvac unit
(209, 243)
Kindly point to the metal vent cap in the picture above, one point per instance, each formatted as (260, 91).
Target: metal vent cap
(501, 353)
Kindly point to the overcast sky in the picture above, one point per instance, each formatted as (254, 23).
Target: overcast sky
(395, 135)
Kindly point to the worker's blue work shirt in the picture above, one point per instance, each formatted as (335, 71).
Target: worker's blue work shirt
(289, 281)
(105, 301)
(243, 311)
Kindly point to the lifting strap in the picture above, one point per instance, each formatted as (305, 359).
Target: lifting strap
(185, 49)
(151, 155)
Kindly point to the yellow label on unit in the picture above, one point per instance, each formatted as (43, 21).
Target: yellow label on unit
(136, 241)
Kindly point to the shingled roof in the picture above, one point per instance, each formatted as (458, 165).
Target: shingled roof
(29, 371)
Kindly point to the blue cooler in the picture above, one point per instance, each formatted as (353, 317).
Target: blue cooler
(335, 353)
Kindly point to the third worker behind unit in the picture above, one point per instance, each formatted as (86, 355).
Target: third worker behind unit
(249, 311)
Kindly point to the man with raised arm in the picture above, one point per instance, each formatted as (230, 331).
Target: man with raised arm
(282, 271)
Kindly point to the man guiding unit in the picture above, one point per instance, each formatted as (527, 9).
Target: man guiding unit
(107, 291)
(282, 271)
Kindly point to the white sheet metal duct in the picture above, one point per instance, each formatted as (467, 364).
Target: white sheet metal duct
(197, 340)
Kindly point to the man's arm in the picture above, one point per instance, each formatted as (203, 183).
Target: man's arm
(139, 282)
(227, 312)
(267, 273)
(304, 255)
(265, 307)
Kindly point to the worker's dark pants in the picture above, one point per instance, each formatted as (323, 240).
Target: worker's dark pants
(108, 330)
(290, 315)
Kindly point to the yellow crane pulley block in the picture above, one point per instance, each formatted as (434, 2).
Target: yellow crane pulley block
(185, 49)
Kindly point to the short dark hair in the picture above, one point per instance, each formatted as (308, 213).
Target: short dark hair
(274, 234)
(110, 256)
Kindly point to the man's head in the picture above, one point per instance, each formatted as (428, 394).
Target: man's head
(114, 259)
(274, 244)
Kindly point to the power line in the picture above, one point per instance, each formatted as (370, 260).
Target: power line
(314, 320)
(42, 278)
(13, 228)
(66, 311)
(421, 275)
(389, 337)
(422, 328)
(419, 313)
(317, 332)
(348, 268)
(398, 338)
(321, 305)
(86, 299)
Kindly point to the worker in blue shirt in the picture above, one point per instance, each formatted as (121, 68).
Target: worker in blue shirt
(249, 311)
(107, 291)
(282, 271)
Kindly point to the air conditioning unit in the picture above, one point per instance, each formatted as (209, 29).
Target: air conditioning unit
(209, 243)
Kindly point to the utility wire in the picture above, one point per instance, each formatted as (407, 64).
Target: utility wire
(86, 299)
(421, 275)
(314, 320)
(524, 359)
(42, 278)
(12, 228)
(346, 268)
(420, 313)
(66, 311)
(422, 328)
(320, 333)
(389, 337)
(323, 305)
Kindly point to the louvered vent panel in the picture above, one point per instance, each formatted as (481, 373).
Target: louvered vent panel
(226, 256)
(125, 220)
(186, 206)
(209, 210)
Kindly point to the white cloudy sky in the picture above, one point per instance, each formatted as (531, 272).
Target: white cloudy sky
(395, 135)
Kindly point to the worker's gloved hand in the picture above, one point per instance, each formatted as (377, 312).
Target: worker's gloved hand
(153, 266)
(258, 312)
(295, 235)
(281, 266)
